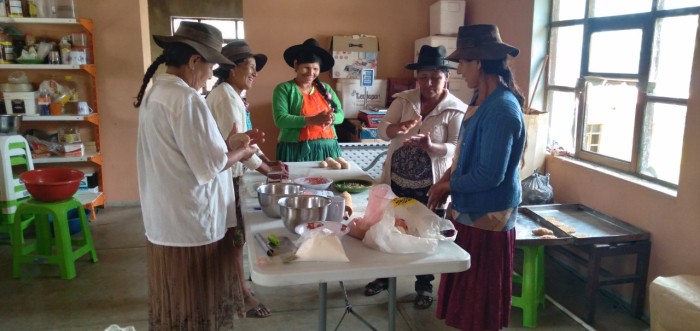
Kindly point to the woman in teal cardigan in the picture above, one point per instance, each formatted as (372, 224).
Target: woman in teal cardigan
(305, 109)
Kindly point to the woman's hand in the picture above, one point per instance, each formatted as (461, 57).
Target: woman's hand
(321, 119)
(421, 140)
(438, 193)
(403, 127)
(274, 170)
(256, 136)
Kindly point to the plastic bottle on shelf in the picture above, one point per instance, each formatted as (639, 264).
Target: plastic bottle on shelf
(44, 100)
(33, 8)
(71, 88)
(8, 55)
(64, 48)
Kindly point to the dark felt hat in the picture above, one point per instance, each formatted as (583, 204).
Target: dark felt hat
(239, 50)
(204, 38)
(481, 42)
(430, 58)
(311, 46)
(236, 51)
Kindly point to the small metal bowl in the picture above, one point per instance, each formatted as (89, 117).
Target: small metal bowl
(269, 194)
(301, 209)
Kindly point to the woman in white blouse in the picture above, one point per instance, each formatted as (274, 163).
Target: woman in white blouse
(422, 125)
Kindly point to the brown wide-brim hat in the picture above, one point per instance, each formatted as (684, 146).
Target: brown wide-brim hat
(204, 38)
(236, 51)
(430, 58)
(309, 46)
(481, 42)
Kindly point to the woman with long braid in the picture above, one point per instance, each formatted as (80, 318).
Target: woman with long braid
(305, 109)
(484, 184)
(187, 197)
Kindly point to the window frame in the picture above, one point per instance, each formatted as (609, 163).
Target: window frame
(647, 23)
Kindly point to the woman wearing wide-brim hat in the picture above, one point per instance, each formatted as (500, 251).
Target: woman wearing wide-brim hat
(228, 106)
(187, 198)
(422, 125)
(305, 109)
(484, 184)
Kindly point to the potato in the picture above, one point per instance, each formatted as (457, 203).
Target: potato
(332, 163)
(238, 140)
(343, 164)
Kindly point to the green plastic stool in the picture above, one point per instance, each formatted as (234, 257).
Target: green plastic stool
(41, 250)
(532, 284)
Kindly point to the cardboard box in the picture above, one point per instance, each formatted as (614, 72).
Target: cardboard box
(369, 133)
(446, 17)
(352, 130)
(354, 53)
(352, 96)
(450, 44)
(23, 103)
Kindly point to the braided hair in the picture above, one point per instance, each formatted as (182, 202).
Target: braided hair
(174, 55)
(308, 57)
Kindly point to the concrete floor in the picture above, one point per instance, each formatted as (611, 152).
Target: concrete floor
(114, 291)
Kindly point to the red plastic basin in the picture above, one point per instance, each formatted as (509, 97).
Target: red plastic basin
(52, 184)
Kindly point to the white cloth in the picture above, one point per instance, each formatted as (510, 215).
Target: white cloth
(228, 108)
(443, 122)
(186, 198)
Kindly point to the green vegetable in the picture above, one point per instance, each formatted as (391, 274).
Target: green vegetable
(273, 240)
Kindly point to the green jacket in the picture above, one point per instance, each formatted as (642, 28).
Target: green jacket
(286, 110)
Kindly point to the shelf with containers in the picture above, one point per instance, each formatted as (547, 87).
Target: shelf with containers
(88, 126)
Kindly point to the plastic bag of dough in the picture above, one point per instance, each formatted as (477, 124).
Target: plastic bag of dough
(386, 237)
(408, 226)
(380, 197)
(320, 245)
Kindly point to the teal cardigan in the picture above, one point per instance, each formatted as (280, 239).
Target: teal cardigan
(286, 110)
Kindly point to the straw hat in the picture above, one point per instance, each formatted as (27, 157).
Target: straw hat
(430, 58)
(481, 42)
(309, 46)
(204, 38)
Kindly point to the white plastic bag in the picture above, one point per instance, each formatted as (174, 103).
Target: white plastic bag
(320, 245)
(419, 230)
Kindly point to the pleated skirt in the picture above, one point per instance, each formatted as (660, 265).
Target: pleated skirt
(193, 288)
(479, 298)
(308, 150)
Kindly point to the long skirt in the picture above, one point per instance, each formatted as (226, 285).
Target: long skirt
(308, 150)
(193, 288)
(479, 298)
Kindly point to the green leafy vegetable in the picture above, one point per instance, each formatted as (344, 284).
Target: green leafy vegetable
(273, 240)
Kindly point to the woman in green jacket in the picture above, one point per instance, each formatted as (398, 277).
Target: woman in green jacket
(305, 109)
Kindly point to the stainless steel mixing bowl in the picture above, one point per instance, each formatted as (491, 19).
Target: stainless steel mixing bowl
(301, 209)
(269, 194)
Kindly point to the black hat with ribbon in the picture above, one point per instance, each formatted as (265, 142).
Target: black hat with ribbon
(430, 58)
(310, 46)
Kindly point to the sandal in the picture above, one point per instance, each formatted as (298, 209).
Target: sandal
(423, 300)
(259, 311)
(375, 287)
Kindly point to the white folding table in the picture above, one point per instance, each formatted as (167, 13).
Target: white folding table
(364, 262)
